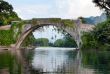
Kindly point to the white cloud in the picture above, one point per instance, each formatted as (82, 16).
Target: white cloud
(76, 8)
(31, 11)
(60, 8)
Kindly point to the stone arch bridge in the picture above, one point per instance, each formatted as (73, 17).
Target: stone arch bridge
(73, 27)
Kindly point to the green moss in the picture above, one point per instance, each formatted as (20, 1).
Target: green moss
(55, 20)
(68, 23)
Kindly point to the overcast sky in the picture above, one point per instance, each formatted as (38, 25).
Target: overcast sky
(28, 9)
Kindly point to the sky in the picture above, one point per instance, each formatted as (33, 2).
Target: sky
(71, 9)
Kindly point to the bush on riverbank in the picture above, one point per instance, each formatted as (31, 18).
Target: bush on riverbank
(67, 41)
(8, 37)
(99, 38)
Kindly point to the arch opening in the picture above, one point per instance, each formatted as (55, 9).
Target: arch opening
(36, 27)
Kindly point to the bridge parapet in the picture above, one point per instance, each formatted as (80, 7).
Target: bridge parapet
(48, 21)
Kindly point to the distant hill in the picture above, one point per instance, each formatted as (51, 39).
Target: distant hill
(96, 20)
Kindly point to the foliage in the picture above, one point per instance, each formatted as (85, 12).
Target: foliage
(6, 37)
(89, 41)
(99, 38)
(83, 20)
(55, 20)
(59, 43)
(34, 21)
(42, 42)
(67, 41)
(103, 4)
(29, 40)
(17, 29)
(102, 32)
(68, 23)
(10, 36)
(6, 13)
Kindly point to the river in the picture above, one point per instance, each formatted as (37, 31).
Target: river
(70, 61)
(52, 60)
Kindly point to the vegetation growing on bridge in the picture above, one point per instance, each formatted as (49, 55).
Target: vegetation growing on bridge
(55, 20)
(68, 23)
(8, 37)
(64, 22)
(29, 41)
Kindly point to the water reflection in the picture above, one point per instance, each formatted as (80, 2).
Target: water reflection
(97, 60)
(59, 61)
(71, 62)
(54, 61)
(9, 63)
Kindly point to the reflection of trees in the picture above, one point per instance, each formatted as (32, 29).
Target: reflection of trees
(37, 71)
(9, 63)
(100, 61)
(72, 54)
(68, 67)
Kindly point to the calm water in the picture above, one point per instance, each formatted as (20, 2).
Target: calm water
(70, 61)
(9, 64)
(60, 61)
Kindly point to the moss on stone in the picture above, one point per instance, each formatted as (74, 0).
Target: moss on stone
(68, 23)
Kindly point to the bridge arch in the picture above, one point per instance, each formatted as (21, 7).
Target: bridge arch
(73, 31)
(31, 29)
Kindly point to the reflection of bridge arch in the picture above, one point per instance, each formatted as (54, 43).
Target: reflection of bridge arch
(73, 31)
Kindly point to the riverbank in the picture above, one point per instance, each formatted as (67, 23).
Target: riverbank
(4, 48)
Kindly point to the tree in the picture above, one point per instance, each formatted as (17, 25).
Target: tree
(59, 43)
(99, 38)
(69, 41)
(103, 4)
(7, 13)
(82, 19)
(102, 32)
(42, 42)
(29, 41)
